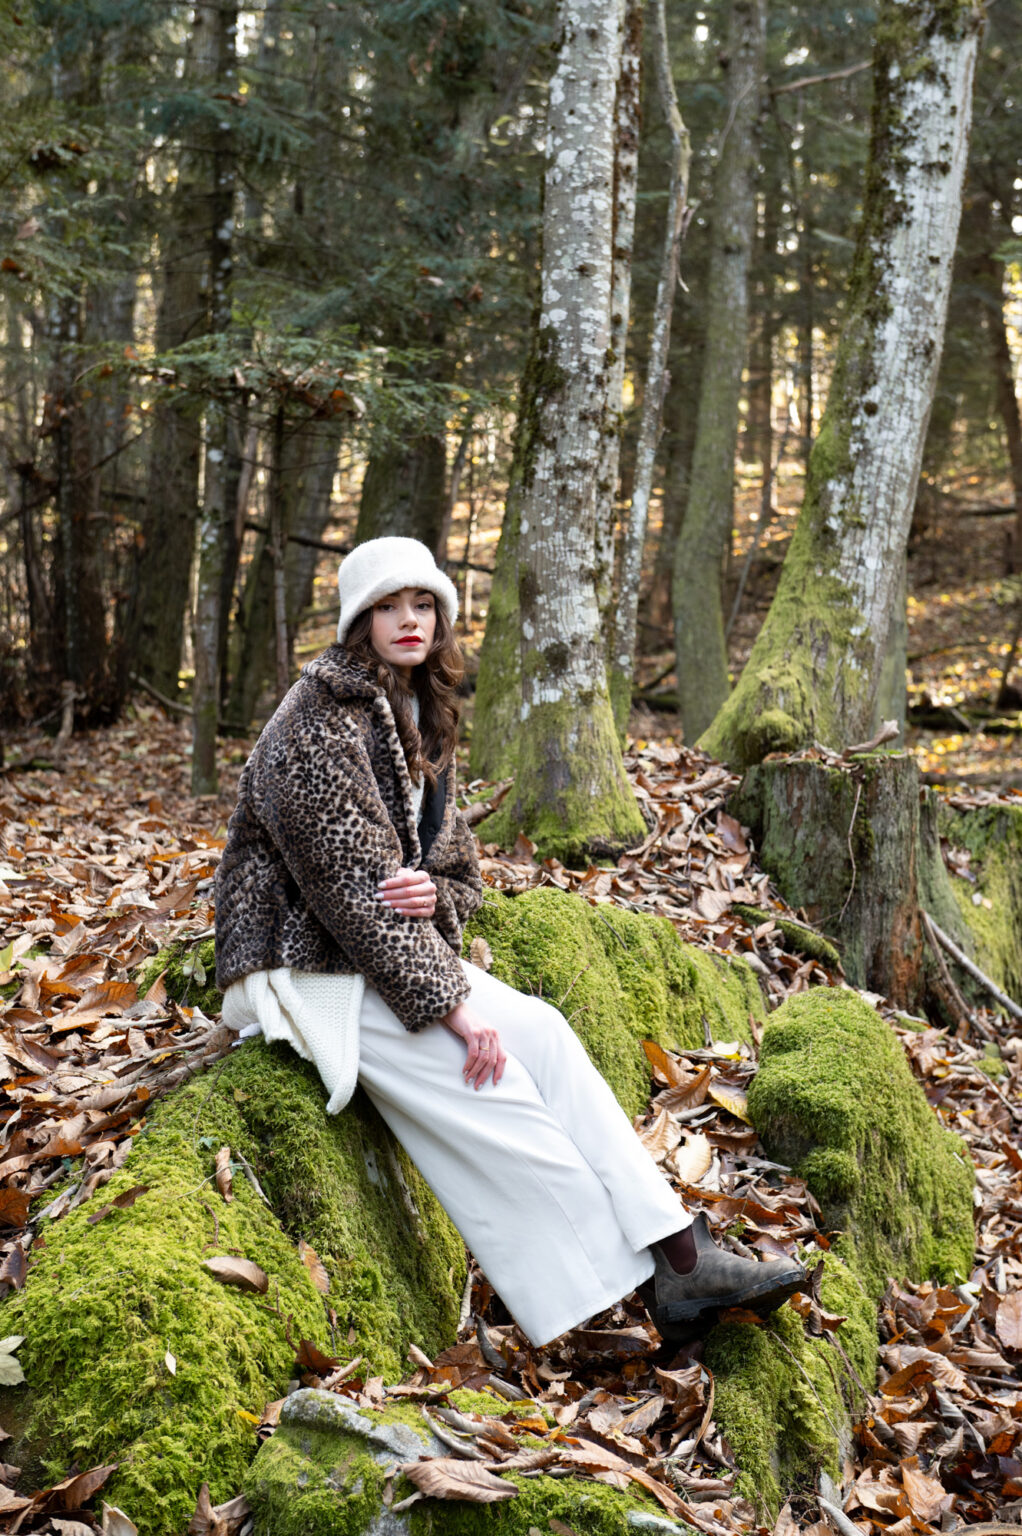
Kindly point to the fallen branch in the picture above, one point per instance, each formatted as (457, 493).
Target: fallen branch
(973, 969)
(957, 1000)
(161, 698)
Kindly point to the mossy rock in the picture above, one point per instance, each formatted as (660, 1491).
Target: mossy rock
(785, 1400)
(620, 977)
(323, 1474)
(105, 1303)
(993, 835)
(835, 1099)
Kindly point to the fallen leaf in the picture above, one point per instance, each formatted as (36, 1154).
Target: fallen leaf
(661, 1136)
(223, 1174)
(480, 953)
(170, 1363)
(75, 1491)
(14, 1204)
(447, 1477)
(670, 1070)
(734, 1100)
(240, 1272)
(693, 1160)
(314, 1264)
(11, 1374)
(926, 1496)
(116, 1522)
(1009, 1321)
(71, 1527)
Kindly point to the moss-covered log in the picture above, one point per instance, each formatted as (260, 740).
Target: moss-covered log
(835, 1099)
(816, 664)
(854, 849)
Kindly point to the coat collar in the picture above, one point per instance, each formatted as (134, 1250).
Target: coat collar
(349, 680)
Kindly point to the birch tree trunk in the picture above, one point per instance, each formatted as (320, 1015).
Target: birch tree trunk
(626, 178)
(622, 663)
(815, 668)
(217, 515)
(702, 546)
(571, 795)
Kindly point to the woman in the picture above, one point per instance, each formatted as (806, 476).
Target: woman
(341, 897)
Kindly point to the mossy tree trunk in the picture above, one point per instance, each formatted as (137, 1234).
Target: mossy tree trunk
(853, 848)
(571, 794)
(702, 547)
(814, 669)
(404, 492)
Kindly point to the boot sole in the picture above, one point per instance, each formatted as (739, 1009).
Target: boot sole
(765, 1297)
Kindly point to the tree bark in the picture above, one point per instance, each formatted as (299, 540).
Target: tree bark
(571, 794)
(706, 532)
(852, 847)
(814, 670)
(404, 492)
(622, 663)
(161, 587)
(626, 173)
(217, 520)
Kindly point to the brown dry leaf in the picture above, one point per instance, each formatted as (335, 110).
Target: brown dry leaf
(712, 904)
(688, 1094)
(480, 953)
(224, 1178)
(785, 1524)
(693, 1160)
(733, 1099)
(70, 1527)
(661, 1137)
(1009, 1321)
(314, 1264)
(14, 1204)
(75, 1491)
(644, 1416)
(239, 1272)
(668, 1068)
(926, 1496)
(447, 1477)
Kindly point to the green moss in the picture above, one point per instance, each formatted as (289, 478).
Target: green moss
(800, 939)
(993, 835)
(571, 795)
(310, 1482)
(835, 1098)
(105, 1303)
(188, 970)
(782, 1398)
(620, 977)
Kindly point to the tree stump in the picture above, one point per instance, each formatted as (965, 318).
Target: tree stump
(856, 847)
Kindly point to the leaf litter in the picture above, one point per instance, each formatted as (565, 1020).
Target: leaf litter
(99, 872)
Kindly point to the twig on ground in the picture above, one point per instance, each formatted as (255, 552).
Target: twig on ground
(851, 853)
(973, 969)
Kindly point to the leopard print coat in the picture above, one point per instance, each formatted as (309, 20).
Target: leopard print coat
(324, 813)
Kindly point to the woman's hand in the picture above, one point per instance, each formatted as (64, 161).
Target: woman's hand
(484, 1057)
(410, 891)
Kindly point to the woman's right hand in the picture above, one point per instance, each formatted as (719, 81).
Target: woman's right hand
(484, 1056)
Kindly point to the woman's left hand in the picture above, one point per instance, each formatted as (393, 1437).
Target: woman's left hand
(410, 891)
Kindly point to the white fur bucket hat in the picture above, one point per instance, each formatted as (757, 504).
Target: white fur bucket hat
(381, 566)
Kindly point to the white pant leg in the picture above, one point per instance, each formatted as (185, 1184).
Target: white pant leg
(535, 1207)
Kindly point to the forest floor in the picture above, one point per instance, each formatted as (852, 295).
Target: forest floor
(108, 858)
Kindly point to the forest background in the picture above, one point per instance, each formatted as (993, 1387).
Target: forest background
(266, 288)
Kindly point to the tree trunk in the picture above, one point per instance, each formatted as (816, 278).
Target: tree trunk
(680, 411)
(571, 795)
(851, 848)
(626, 169)
(814, 669)
(706, 532)
(217, 514)
(404, 492)
(161, 587)
(622, 662)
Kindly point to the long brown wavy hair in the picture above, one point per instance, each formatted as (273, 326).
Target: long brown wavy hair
(429, 746)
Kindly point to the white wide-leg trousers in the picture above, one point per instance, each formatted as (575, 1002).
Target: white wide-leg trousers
(543, 1175)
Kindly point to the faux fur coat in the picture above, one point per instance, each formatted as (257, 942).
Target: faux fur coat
(324, 813)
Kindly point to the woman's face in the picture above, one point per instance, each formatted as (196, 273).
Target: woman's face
(403, 627)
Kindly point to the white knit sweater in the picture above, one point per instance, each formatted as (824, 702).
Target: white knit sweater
(316, 1014)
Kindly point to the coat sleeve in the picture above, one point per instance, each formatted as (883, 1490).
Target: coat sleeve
(318, 799)
(458, 883)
